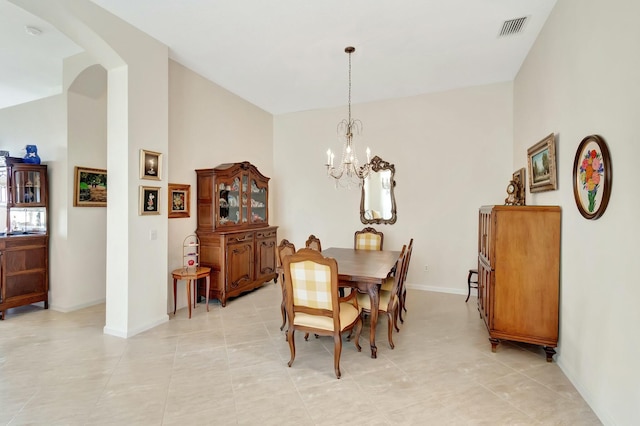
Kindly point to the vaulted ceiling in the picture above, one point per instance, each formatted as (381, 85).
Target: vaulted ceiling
(288, 55)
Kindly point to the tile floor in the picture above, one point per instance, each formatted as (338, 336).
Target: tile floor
(229, 367)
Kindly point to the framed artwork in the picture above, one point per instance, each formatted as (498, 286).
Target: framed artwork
(542, 165)
(592, 177)
(90, 187)
(150, 165)
(149, 200)
(179, 200)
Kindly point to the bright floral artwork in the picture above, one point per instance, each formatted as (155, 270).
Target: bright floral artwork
(591, 171)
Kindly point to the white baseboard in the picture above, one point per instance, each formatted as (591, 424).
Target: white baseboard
(67, 309)
(449, 290)
(130, 333)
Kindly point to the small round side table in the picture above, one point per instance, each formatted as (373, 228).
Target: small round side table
(190, 275)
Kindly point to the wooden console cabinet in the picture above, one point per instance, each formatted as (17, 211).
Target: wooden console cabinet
(236, 241)
(519, 274)
(24, 239)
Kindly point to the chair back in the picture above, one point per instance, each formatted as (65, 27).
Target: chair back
(311, 282)
(368, 239)
(406, 262)
(313, 243)
(285, 248)
(397, 280)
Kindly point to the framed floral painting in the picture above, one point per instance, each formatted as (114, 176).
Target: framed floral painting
(149, 200)
(179, 200)
(592, 177)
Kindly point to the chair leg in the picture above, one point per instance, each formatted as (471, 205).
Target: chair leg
(358, 330)
(292, 345)
(468, 286)
(284, 316)
(337, 350)
(404, 300)
(396, 314)
(282, 305)
(390, 327)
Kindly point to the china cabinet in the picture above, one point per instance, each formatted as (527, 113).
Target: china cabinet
(236, 241)
(24, 241)
(519, 274)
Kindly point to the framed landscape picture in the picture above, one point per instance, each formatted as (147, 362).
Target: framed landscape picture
(179, 200)
(149, 200)
(542, 165)
(90, 187)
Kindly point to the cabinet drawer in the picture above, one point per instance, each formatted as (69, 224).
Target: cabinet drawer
(240, 238)
(266, 234)
(25, 259)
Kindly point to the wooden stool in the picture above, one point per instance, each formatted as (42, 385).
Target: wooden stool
(189, 276)
(470, 282)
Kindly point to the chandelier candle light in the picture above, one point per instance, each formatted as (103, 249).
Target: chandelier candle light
(348, 173)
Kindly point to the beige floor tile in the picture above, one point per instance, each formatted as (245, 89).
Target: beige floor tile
(228, 366)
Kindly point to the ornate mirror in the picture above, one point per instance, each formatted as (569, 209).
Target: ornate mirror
(378, 203)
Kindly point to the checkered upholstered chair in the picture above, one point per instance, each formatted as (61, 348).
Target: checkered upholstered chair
(312, 303)
(368, 239)
(389, 299)
(313, 243)
(285, 248)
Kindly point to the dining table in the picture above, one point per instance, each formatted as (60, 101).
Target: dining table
(364, 271)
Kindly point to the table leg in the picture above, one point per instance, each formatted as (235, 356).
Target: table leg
(375, 303)
(175, 282)
(189, 296)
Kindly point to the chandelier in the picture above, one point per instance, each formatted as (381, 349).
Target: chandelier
(348, 173)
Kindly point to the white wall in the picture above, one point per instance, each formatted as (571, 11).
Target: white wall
(208, 126)
(580, 79)
(452, 152)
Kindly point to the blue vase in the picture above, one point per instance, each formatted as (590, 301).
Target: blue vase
(32, 154)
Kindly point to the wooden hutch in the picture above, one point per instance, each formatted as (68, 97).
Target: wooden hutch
(236, 241)
(519, 274)
(24, 236)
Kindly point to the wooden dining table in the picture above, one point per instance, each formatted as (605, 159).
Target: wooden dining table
(364, 271)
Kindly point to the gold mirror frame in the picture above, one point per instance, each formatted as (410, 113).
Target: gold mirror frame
(387, 185)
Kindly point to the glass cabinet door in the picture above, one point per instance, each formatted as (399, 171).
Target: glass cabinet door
(27, 189)
(245, 202)
(228, 203)
(258, 202)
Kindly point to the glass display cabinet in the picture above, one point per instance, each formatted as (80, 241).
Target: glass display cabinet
(236, 240)
(24, 242)
(23, 199)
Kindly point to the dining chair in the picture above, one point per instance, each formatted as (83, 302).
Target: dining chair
(312, 302)
(285, 248)
(368, 239)
(402, 290)
(389, 300)
(313, 243)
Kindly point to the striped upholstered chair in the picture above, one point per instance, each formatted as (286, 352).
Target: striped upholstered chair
(368, 239)
(389, 299)
(312, 301)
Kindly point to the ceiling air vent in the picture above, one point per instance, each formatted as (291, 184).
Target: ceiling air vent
(512, 26)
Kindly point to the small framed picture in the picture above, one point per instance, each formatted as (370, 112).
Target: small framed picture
(150, 165)
(179, 200)
(90, 187)
(149, 200)
(542, 165)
